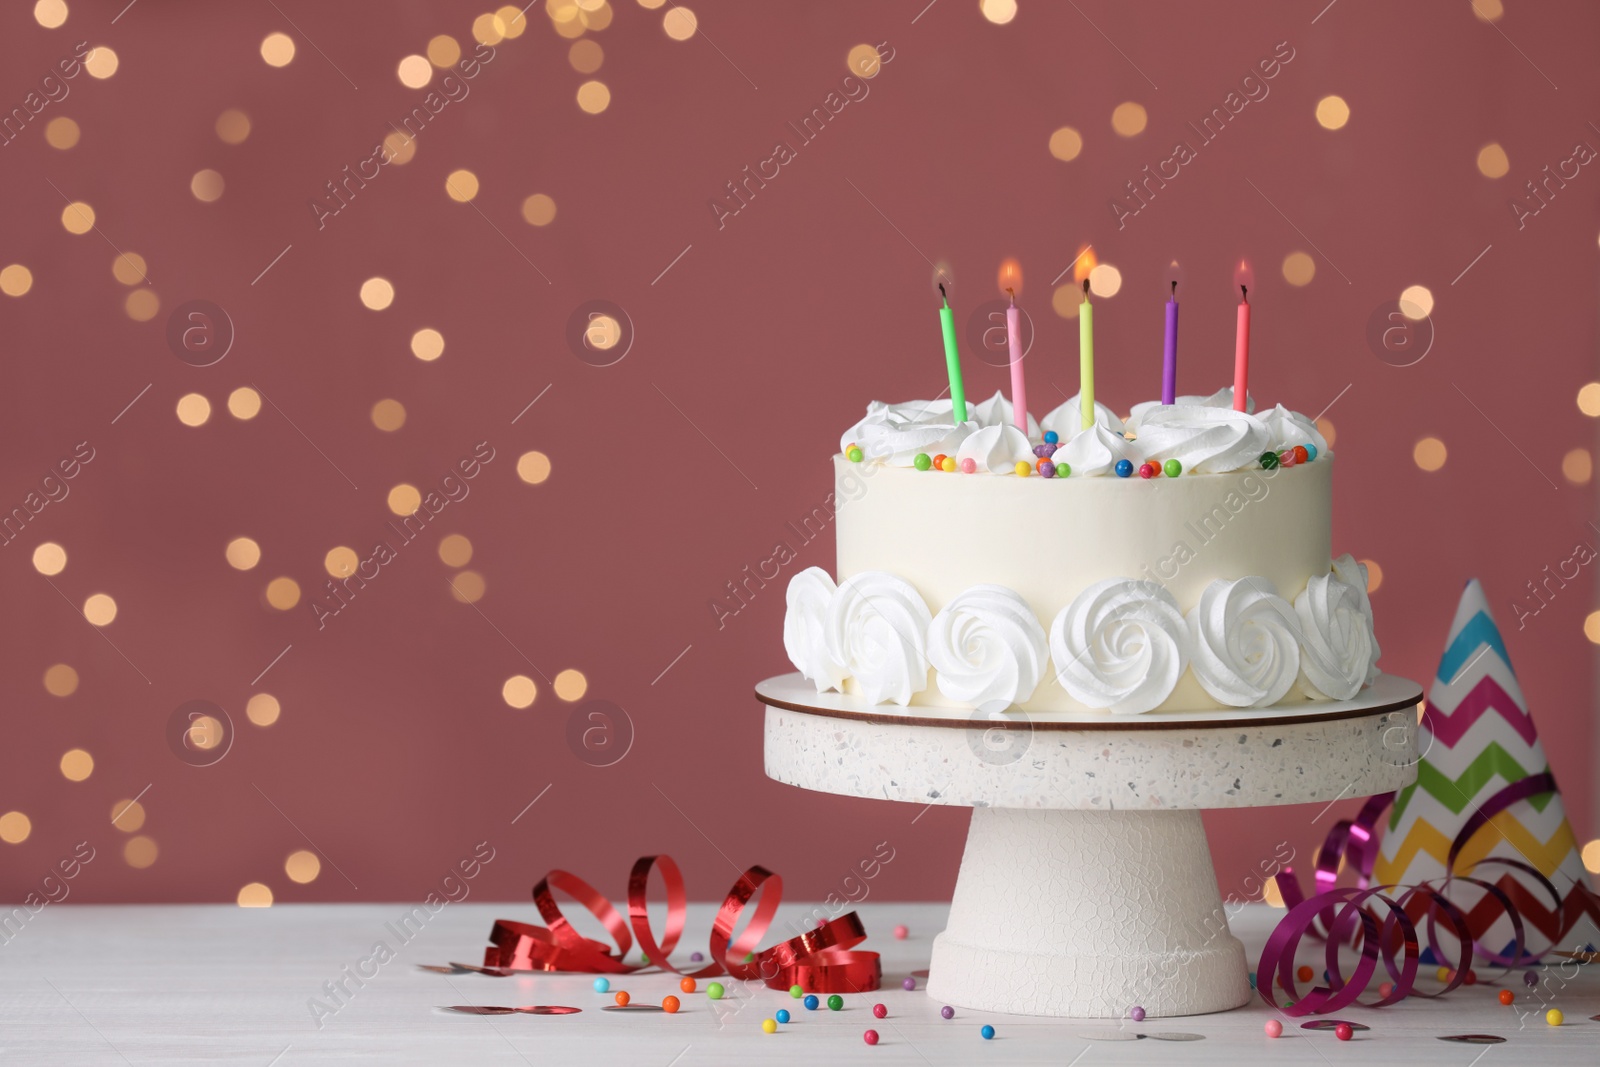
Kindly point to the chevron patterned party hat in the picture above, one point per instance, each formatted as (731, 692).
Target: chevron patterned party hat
(1479, 750)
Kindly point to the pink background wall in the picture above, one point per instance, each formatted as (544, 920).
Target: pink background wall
(395, 752)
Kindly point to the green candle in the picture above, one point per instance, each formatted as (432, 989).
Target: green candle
(952, 359)
(1086, 357)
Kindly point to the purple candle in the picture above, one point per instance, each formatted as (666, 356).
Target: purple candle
(1169, 355)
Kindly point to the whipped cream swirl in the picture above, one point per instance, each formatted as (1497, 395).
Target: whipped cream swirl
(1354, 575)
(1121, 644)
(895, 433)
(1222, 398)
(1094, 452)
(1246, 642)
(996, 449)
(1336, 643)
(1286, 428)
(987, 648)
(1067, 420)
(1206, 440)
(877, 629)
(997, 411)
(809, 594)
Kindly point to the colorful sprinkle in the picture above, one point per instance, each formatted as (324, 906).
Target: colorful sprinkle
(879, 1011)
(947, 1012)
(602, 985)
(1023, 469)
(1554, 1016)
(769, 1026)
(1148, 470)
(1269, 460)
(1124, 468)
(1047, 469)
(1051, 437)
(811, 1002)
(1063, 470)
(900, 933)
(1173, 468)
(1136, 1013)
(987, 1032)
(669, 1005)
(782, 1015)
(1343, 1032)
(948, 465)
(835, 1002)
(687, 985)
(1311, 451)
(1301, 455)
(870, 1037)
(714, 990)
(1273, 1028)
(909, 984)
(1506, 996)
(922, 461)
(622, 998)
(969, 466)
(853, 455)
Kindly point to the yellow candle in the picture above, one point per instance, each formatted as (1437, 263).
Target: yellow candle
(1086, 357)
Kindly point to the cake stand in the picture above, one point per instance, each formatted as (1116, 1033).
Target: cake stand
(1086, 886)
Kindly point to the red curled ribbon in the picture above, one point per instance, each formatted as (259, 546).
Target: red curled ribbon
(1347, 916)
(823, 960)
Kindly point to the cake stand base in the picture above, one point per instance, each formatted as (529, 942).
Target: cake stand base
(1087, 914)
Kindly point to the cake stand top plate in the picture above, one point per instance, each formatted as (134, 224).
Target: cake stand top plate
(1305, 753)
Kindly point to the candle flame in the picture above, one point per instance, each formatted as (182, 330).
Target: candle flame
(1010, 277)
(1242, 274)
(1084, 264)
(942, 276)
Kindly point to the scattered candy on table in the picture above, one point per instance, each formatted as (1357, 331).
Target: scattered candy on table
(696, 957)
(811, 1002)
(1124, 468)
(621, 998)
(796, 992)
(1444, 974)
(714, 990)
(1531, 978)
(1303, 973)
(870, 1037)
(835, 1002)
(1273, 1028)
(1343, 1032)
(1506, 996)
(879, 1010)
(1252, 979)
(1385, 988)
(948, 1012)
(1472, 977)
(1554, 1016)
(769, 1025)
(669, 1005)
(602, 985)
(782, 1015)
(1136, 1013)
(900, 933)
(987, 1032)
(909, 984)
(687, 985)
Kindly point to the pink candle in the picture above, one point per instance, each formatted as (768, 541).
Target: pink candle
(1010, 282)
(1241, 353)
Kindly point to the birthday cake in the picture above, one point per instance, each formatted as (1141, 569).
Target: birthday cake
(1176, 560)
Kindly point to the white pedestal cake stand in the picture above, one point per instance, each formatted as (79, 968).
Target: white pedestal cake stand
(1086, 887)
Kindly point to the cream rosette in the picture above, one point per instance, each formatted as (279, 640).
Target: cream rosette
(1121, 644)
(877, 629)
(1094, 452)
(1336, 643)
(1246, 642)
(804, 623)
(1354, 575)
(895, 433)
(1206, 440)
(987, 648)
(1286, 428)
(996, 449)
(1222, 398)
(997, 411)
(1067, 419)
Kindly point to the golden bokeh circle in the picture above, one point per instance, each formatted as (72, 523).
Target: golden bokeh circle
(519, 691)
(263, 709)
(61, 132)
(341, 561)
(399, 148)
(49, 558)
(570, 685)
(302, 866)
(1066, 143)
(1589, 399)
(129, 268)
(1493, 161)
(254, 895)
(461, 185)
(77, 217)
(60, 680)
(15, 280)
(101, 62)
(205, 733)
(207, 186)
(1591, 856)
(141, 305)
(1332, 112)
(1328, 431)
(377, 293)
(233, 126)
(414, 71)
(51, 14)
(603, 332)
(1429, 454)
(15, 827)
(283, 593)
(1374, 574)
(486, 29)
(127, 815)
(596, 19)
(1489, 11)
(1066, 300)
(404, 499)
(427, 344)
(1129, 119)
(243, 553)
(679, 23)
(193, 409)
(864, 61)
(511, 20)
(585, 56)
(1577, 466)
(539, 210)
(1591, 627)
(140, 852)
(277, 49)
(76, 764)
(594, 97)
(468, 587)
(388, 415)
(533, 467)
(443, 51)
(651, 5)
(998, 12)
(244, 403)
(1105, 280)
(455, 550)
(1416, 302)
(100, 609)
(1299, 268)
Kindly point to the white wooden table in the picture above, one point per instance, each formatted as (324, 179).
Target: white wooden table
(90, 985)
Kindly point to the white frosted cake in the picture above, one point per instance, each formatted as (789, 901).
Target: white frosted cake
(1178, 560)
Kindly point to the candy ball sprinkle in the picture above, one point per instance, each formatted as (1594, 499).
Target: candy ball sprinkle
(1472, 977)
(879, 1011)
(1311, 451)
(1047, 469)
(796, 992)
(947, 1012)
(1385, 988)
(1042, 451)
(835, 1002)
(1148, 470)
(987, 1032)
(1302, 454)
(622, 998)
(1506, 996)
(1553, 1016)
(1531, 978)
(922, 461)
(769, 1026)
(938, 461)
(696, 957)
(1124, 468)
(1444, 974)
(870, 1037)
(1273, 1028)
(1136, 1013)
(1023, 470)
(969, 466)
(1343, 1032)
(948, 465)
(782, 1015)
(900, 933)
(1303, 973)
(909, 984)
(602, 985)
(1063, 470)
(669, 1005)
(854, 455)
(1173, 468)
(1269, 460)
(1051, 437)
(811, 1002)
(687, 985)
(714, 990)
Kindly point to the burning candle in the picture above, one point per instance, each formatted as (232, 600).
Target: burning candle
(1169, 351)
(1241, 343)
(1010, 282)
(952, 359)
(1086, 357)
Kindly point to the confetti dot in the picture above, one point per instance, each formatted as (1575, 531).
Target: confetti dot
(127, 815)
(1326, 428)
(1332, 112)
(1577, 466)
(141, 305)
(679, 23)
(570, 685)
(76, 765)
(377, 293)
(1487, 10)
(533, 467)
(594, 97)
(283, 593)
(1416, 302)
(1429, 454)
(302, 866)
(585, 56)
(468, 587)
(519, 691)
(193, 409)
(255, 895)
(443, 51)
(539, 210)
(244, 403)
(455, 550)
(1104, 280)
(399, 148)
(60, 680)
(1374, 575)
(140, 852)
(512, 21)
(863, 61)
(233, 126)
(277, 49)
(1299, 268)
(427, 344)
(263, 709)
(101, 62)
(1066, 143)
(1591, 627)
(100, 609)
(77, 217)
(61, 132)
(486, 29)
(1492, 161)
(998, 12)
(1589, 400)
(242, 553)
(129, 268)
(404, 499)
(1129, 119)
(461, 185)
(341, 561)
(1591, 856)
(50, 13)
(206, 185)
(389, 416)
(49, 558)
(15, 827)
